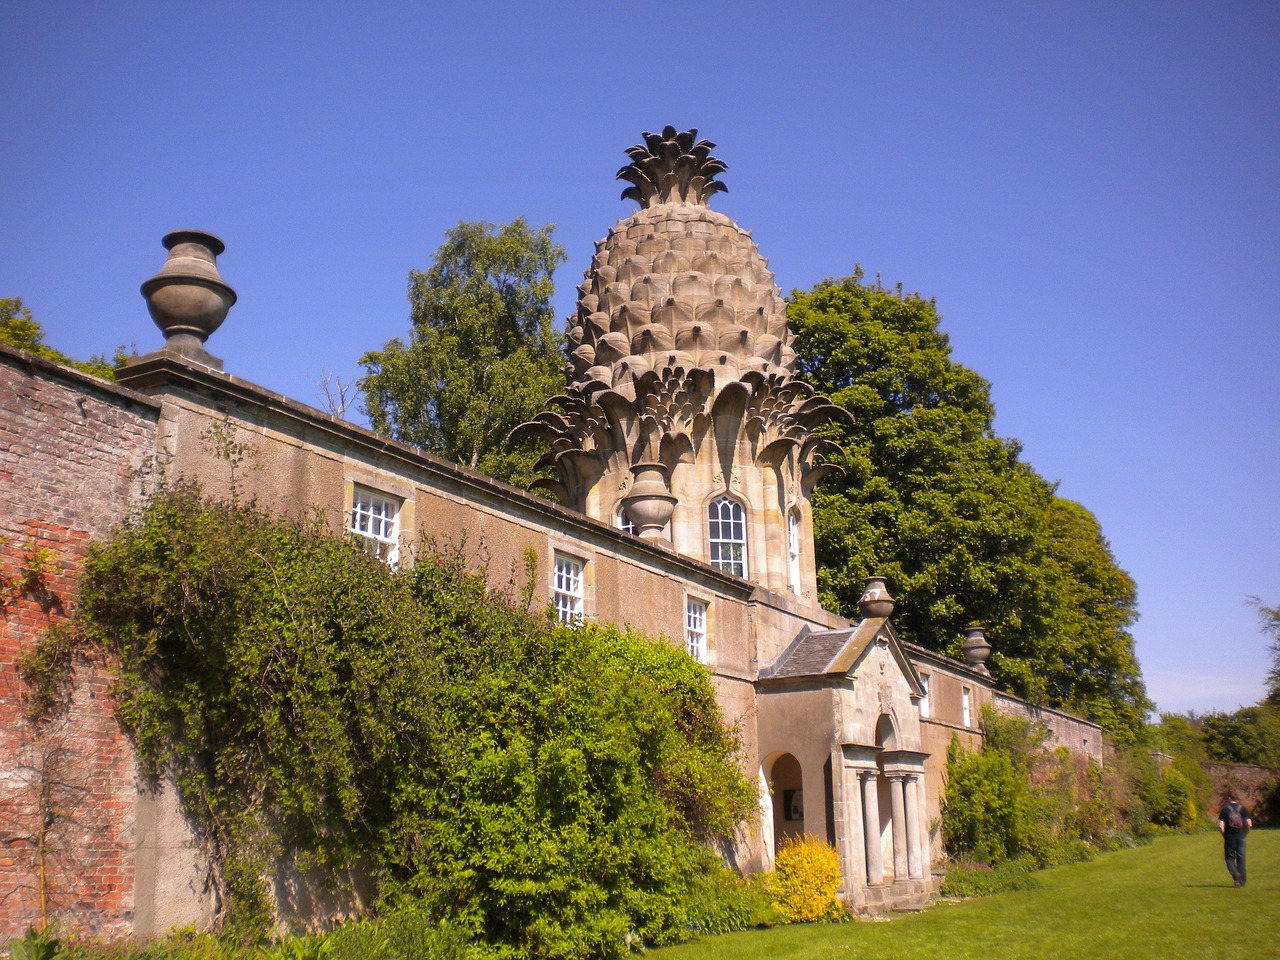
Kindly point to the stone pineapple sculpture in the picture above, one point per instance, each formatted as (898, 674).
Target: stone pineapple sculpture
(680, 365)
(676, 284)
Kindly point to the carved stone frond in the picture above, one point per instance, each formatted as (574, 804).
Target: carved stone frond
(671, 167)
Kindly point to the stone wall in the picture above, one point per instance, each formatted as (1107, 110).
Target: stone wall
(1078, 736)
(71, 447)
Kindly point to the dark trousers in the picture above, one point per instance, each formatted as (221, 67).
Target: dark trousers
(1233, 849)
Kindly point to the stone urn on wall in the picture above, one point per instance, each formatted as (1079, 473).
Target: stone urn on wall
(649, 504)
(188, 298)
(875, 600)
(976, 649)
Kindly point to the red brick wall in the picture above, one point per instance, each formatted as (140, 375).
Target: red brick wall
(70, 449)
(1256, 786)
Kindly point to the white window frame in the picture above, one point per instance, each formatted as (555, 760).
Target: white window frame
(727, 536)
(375, 523)
(966, 711)
(926, 708)
(625, 523)
(568, 588)
(793, 550)
(695, 628)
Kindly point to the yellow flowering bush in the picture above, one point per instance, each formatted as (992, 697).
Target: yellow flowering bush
(806, 881)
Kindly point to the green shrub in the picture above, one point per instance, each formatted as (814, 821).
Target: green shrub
(1016, 798)
(550, 792)
(724, 902)
(1171, 799)
(805, 883)
(182, 944)
(969, 879)
(988, 813)
(35, 946)
(406, 933)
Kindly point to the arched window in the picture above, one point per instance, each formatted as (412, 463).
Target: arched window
(727, 525)
(793, 550)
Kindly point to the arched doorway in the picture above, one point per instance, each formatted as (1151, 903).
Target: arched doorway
(786, 786)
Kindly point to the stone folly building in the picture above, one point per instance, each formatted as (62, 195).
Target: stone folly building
(684, 459)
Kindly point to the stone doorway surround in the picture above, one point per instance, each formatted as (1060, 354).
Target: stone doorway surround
(866, 790)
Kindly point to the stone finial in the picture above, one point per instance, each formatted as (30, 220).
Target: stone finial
(649, 504)
(188, 299)
(671, 168)
(976, 649)
(875, 600)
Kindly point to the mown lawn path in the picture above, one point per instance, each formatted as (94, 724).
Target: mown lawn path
(1170, 900)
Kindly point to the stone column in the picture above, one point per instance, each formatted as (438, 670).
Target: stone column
(871, 819)
(842, 828)
(910, 785)
(898, 804)
(926, 848)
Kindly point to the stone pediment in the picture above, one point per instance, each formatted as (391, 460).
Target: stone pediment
(838, 654)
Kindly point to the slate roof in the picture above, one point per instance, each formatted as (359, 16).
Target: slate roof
(812, 654)
(827, 653)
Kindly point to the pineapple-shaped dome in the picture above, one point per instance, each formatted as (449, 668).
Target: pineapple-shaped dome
(680, 371)
(676, 284)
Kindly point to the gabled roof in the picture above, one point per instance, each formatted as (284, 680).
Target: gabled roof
(833, 654)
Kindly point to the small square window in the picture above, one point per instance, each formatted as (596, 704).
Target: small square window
(567, 589)
(695, 629)
(375, 523)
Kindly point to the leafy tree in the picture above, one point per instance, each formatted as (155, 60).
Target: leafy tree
(1250, 735)
(483, 355)
(19, 329)
(967, 532)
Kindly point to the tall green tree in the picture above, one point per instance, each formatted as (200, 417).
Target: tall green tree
(18, 328)
(965, 530)
(482, 355)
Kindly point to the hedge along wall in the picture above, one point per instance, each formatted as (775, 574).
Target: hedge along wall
(71, 449)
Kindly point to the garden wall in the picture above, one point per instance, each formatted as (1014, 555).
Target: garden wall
(71, 449)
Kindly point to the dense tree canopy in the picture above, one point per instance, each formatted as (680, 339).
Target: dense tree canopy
(965, 530)
(483, 354)
(19, 329)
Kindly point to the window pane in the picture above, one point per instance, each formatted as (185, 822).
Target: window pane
(695, 629)
(566, 589)
(727, 529)
(793, 550)
(375, 522)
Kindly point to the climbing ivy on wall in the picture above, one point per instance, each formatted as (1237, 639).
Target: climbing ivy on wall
(551, 790)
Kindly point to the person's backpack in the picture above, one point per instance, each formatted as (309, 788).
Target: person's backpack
(1234, 817)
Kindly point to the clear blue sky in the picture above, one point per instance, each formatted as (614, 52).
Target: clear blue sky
(1089, 190)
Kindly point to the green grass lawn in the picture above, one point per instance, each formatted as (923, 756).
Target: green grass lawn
(1168, 900)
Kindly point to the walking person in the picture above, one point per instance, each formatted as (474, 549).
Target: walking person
(1234, 824)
